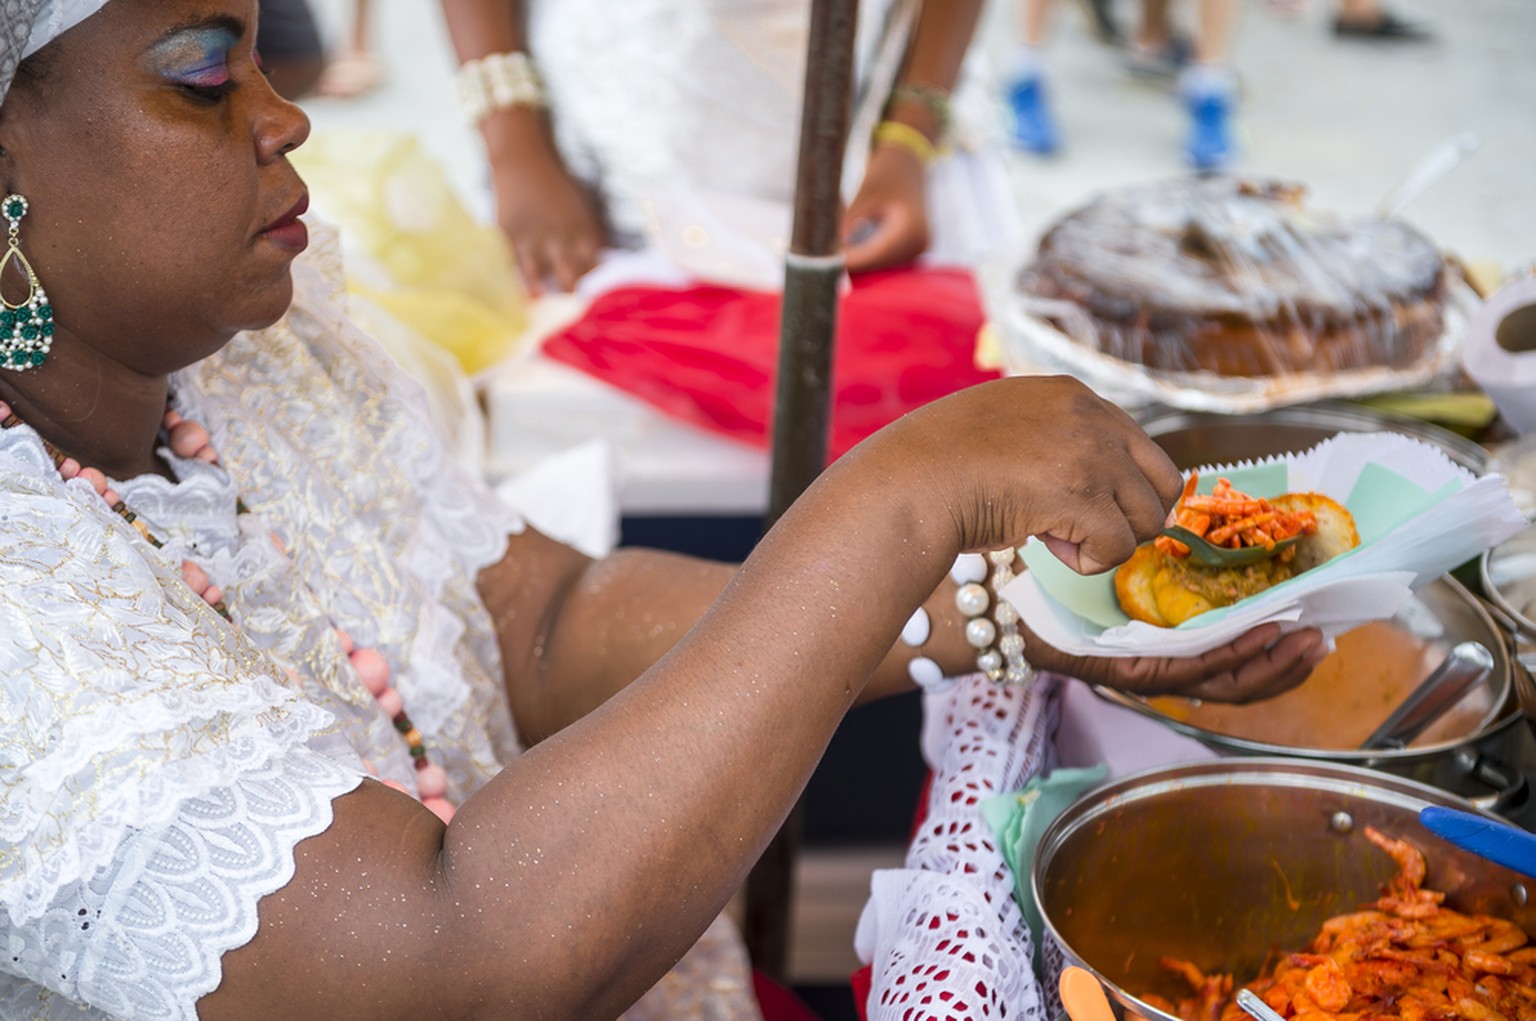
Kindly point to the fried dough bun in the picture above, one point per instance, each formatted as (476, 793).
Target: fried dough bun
(1166, 590)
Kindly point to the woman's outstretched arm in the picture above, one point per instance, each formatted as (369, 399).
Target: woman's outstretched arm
(571, 882)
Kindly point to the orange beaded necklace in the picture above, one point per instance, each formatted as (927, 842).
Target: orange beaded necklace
(189, 440)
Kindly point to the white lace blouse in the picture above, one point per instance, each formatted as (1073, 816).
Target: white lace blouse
(158, 767)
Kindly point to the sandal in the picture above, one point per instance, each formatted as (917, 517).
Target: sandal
(349, 75)
(1387, 28)
(1165, 60)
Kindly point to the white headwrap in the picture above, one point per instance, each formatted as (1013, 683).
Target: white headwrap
(26, 26)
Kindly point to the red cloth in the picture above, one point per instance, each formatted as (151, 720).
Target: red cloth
(708, 355)
(863, 983)
(778, 1003)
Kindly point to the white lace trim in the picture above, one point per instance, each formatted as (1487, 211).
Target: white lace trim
(945, 936)
(144, 938)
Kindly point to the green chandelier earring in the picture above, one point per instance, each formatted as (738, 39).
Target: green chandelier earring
(26, 329)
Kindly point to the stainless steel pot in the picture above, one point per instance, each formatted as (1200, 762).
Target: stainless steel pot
(1475, 760)
(1222, 862)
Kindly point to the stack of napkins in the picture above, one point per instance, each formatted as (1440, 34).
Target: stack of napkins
(1419, 515)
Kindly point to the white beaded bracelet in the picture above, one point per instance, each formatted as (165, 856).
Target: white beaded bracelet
(498, 81)
(925, 672)
(1000, 647)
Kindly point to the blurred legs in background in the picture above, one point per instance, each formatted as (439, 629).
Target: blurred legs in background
(1206, 82)
(354, 69)
(1368, 19)
(289, 43)
(1034, 126)
(1209, 88)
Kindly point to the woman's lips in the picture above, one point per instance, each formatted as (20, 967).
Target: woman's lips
(289, 231)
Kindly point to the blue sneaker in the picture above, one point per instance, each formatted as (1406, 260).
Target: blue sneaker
(1034, 129)
(1209, 147)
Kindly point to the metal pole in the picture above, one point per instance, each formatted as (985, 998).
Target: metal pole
(802, 404)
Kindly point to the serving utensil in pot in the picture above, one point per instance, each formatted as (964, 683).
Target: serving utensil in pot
(1467, 665)
(1498, 842)
(1255, 1007)
(1207, 554)
(1083, 995)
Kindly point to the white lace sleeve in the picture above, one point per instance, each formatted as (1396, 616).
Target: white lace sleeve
(944, 936)
(155, 774)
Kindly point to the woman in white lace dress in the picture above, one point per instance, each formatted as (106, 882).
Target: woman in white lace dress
(262, 648)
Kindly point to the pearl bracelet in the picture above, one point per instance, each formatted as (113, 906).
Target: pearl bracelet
(1000, 647)
(498, 81)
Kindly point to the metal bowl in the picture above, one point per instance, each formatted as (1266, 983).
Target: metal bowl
(1193, 439)
(1442, 614)
(1222, 862)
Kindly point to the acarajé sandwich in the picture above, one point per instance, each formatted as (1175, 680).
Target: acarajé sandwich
(1164, 585)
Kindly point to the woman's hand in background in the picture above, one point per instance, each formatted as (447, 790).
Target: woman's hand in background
(551, 220)
(886, 224)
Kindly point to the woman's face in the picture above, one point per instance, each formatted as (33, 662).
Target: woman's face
(154, 158)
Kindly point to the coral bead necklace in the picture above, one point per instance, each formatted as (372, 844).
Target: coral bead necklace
(190, 440)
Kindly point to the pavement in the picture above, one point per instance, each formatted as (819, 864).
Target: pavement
(1349, 119)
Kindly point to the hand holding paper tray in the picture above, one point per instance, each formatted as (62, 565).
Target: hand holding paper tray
(1418, 513)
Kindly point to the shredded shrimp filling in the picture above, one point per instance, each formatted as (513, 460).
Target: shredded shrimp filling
(1231, 518)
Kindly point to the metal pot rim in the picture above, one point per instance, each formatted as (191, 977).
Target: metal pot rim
(1338, 416)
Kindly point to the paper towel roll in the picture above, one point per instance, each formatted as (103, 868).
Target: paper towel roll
(1499, 351)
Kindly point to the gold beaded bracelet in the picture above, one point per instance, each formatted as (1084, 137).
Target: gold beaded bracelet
(908, 138)
(935, 99)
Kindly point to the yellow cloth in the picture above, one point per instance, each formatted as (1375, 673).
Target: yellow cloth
(413, 250)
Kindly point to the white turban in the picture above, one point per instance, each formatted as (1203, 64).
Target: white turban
(26, 26)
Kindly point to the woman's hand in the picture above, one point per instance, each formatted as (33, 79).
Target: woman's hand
(886, 224)
(1042, 456)
(1258, 665)
(549, 217)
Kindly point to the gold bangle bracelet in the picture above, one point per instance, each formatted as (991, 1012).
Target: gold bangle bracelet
(905, 136)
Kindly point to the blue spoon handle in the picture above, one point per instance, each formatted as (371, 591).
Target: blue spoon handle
(1499, 842)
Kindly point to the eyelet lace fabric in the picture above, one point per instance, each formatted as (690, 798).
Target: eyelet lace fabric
(944, 935)
(158, 767)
